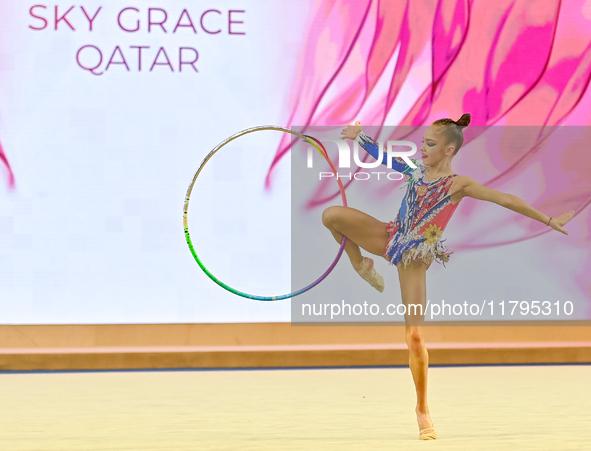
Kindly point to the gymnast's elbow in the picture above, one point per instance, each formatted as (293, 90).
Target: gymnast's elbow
(509, 201)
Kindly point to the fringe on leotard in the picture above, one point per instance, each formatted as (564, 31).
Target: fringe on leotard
(416, 233)
(424, 213)
(408, 248)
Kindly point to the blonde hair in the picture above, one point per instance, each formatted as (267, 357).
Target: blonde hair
(453, 131)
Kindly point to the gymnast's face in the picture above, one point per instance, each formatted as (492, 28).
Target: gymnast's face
(435, 148)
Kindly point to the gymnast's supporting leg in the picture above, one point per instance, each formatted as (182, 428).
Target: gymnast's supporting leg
(413, 288)
(361, 230)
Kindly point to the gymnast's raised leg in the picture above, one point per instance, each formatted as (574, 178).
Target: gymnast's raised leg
(361, 230)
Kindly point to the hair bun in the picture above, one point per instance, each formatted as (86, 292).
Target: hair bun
(464, 121)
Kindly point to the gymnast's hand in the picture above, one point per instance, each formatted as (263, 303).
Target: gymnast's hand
(351, 131)
(557, 223)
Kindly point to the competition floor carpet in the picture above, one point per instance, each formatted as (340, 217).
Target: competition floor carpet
(473, 408)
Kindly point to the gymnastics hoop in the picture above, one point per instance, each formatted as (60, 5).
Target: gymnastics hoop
(310, 140)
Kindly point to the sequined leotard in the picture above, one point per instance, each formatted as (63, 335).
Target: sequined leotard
(424, 213)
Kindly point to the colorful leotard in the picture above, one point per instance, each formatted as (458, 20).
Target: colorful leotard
(424, 213)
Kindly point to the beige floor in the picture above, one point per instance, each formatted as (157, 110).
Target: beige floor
(479, 408)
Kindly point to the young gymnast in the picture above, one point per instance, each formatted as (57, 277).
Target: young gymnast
(413, 241)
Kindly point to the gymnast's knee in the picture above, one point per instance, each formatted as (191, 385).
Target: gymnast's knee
(414, 340)
(331, 215)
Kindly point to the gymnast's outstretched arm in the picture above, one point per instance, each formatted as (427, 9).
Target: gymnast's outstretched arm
(355, 133)
(467, 187)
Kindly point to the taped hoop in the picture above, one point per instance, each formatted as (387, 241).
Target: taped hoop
(310, 140)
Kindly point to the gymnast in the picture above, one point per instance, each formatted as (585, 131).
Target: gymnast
(413, 241)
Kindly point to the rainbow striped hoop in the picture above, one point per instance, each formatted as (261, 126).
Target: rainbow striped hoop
(310, 140)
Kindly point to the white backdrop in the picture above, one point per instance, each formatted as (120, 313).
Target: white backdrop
(92, 232)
